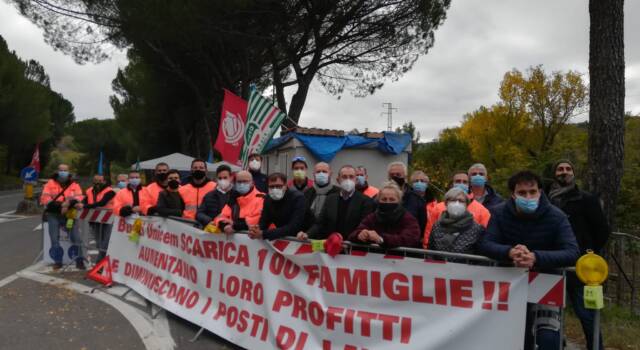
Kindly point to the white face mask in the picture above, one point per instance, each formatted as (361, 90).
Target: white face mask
(254, 165)
(348, 185)
(276, 193)
(224, 184)
(456, 209)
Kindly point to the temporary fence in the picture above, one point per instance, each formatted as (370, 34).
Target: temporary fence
(468, 295)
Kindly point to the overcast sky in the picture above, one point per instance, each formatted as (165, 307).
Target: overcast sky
(478, 42)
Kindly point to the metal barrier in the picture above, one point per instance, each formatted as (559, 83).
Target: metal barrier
(349, 247)
(622, 254)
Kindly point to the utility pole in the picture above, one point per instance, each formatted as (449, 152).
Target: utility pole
(389, 114)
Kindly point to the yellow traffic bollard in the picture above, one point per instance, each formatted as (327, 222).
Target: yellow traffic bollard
(28, 191)
(593, 270)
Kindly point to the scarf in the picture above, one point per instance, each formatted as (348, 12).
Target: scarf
(388, 218)
(450, 224)
(560, 195)
(321, 196)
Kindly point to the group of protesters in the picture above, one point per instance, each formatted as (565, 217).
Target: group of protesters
(539, 226)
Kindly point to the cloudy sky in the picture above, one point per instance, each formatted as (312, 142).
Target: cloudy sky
(478, 43)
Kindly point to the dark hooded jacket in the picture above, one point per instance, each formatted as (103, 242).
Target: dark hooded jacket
(546, 232)
(586, 217)
(492, 199)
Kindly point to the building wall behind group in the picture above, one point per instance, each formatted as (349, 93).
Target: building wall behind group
(279, 160)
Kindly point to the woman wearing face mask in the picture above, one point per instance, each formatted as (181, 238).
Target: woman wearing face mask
(455, 231)
(390, 225)
(170, 202)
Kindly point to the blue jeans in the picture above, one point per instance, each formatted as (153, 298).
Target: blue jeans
(575, 293)
(102, 234)
(545, 338)
(56, 221)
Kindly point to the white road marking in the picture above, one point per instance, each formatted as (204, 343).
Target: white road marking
(8, 280)
(10, 216)
(155, 334)
(39, 227)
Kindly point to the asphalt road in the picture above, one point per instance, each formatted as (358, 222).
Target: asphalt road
(43, 309)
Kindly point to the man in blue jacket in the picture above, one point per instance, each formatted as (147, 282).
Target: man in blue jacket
(530, 232)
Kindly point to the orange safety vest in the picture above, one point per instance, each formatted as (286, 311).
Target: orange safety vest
(250, 208)
(52, 188)
(92, 198)
(193, 197)
(370, 191)
(124, 198)
(480, 215)
(149, 196)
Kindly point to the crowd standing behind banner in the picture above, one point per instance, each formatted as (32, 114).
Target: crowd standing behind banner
(529, 229)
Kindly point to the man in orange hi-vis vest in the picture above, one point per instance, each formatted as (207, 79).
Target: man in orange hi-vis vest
(60, 195)
(197, 186)
(100, 196)
(149, 194)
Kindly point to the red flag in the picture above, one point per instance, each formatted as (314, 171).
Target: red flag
(231, 130)
(35, 159)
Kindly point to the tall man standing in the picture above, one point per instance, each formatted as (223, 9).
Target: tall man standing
(149, 195)
(590, 228)
(197, 186)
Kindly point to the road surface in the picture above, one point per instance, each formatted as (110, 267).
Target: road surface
(42, 309)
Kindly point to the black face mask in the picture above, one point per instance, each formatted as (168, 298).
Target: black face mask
(387, 207)
(198, 174)
(174, 184)
(161, 176)
(398, 180)
(98, 185)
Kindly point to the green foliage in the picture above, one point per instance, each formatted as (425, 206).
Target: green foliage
(440, 158)
(30, 112)
(92, 136)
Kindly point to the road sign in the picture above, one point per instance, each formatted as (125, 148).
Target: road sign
(29, 174)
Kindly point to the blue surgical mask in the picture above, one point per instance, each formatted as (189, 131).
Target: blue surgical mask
(122, 184)
(243, 187)
(135, 182)
(463, 187)
(361, 180)
(420, 186)
(478, 180)
(527, 206)
(63, 174)
(322, 179)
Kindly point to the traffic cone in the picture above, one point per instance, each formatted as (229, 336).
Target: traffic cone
(101, 273)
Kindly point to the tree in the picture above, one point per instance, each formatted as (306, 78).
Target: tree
(410, 129)
(30, 112)
(230, 44)
(354, 45)
(440, 158)
(606, 100)
(92, 136)
(549, 100)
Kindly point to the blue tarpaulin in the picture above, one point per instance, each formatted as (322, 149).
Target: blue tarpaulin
(325, 148)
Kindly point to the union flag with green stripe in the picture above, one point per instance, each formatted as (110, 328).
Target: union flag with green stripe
(263, 120)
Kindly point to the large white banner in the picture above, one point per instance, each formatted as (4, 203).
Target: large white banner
(259, 297)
